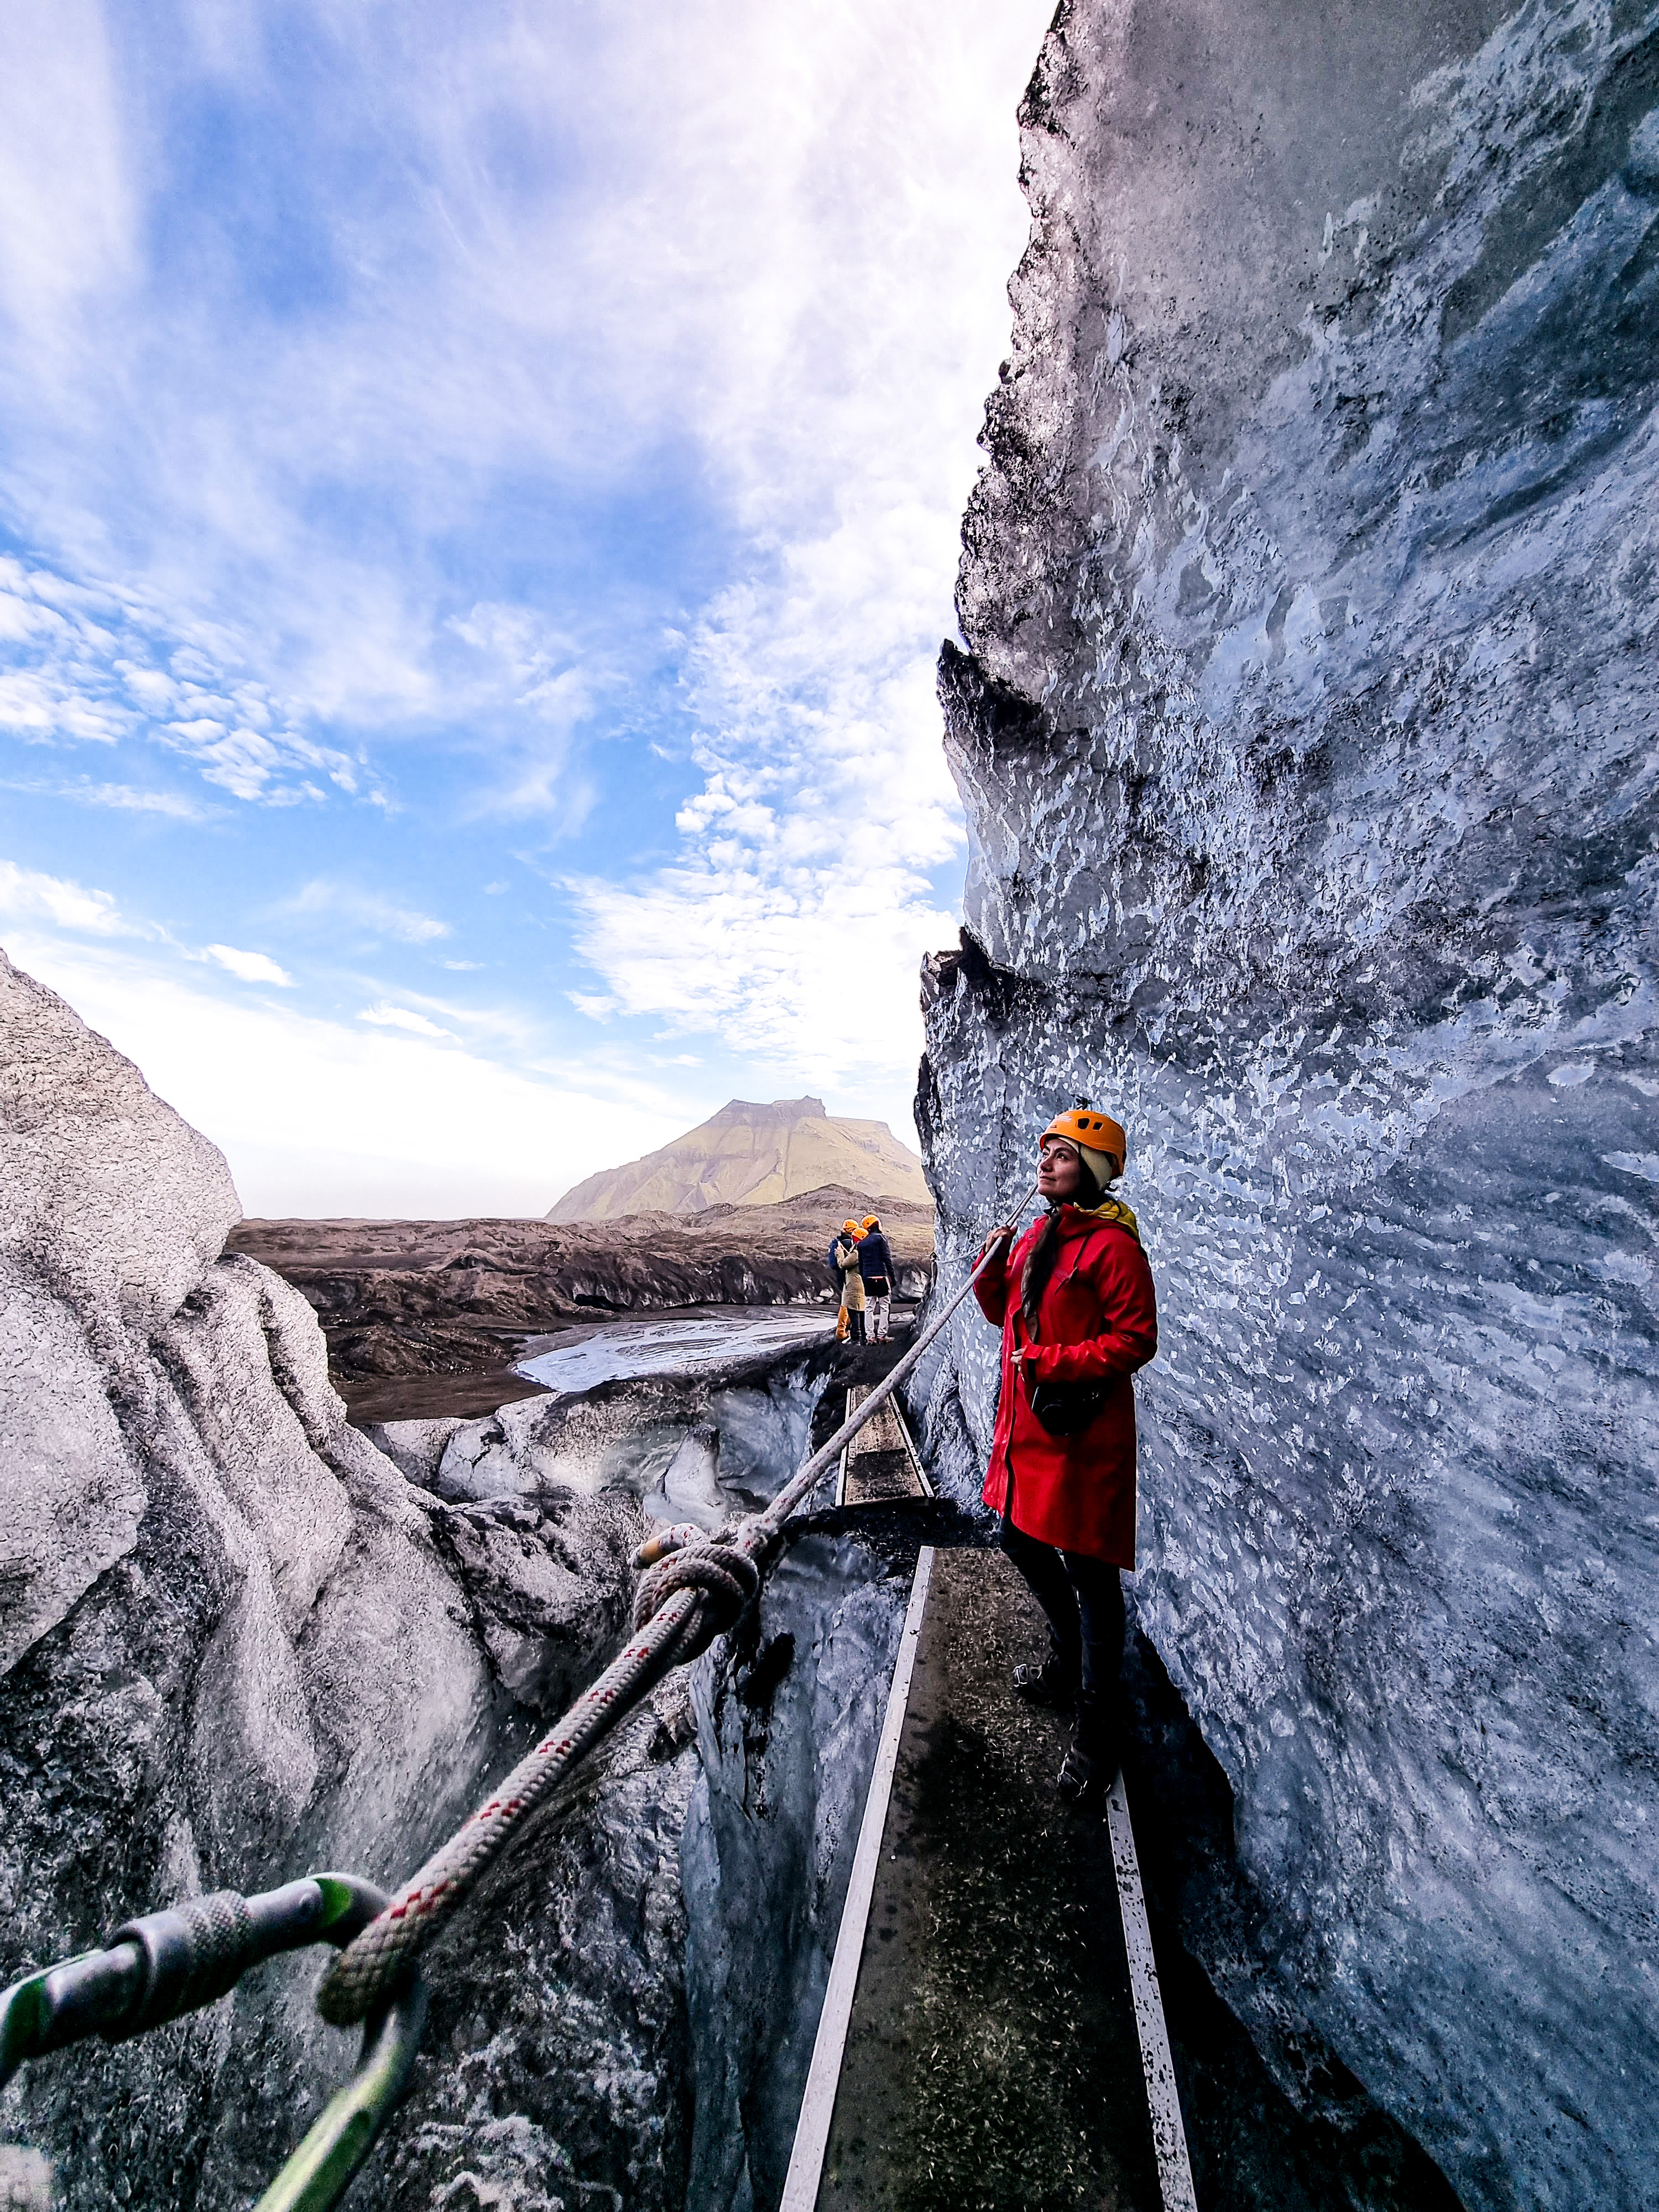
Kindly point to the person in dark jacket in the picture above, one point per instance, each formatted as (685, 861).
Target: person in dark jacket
(1075, 1302)
(876, 1266)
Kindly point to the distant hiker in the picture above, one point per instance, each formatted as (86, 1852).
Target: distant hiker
(1074, 1298)
(852, 1282)
(876, 1266)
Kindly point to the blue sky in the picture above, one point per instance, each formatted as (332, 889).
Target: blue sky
(478, 506)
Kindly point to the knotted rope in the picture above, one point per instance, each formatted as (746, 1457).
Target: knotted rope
(682, 1603)
(728, 1577)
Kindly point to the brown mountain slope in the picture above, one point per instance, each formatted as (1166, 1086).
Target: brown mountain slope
(404, 1303)
(749, 1154)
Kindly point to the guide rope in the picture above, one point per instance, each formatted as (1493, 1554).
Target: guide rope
(695, 1588)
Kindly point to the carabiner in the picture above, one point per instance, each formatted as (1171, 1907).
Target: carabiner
(164, 1965)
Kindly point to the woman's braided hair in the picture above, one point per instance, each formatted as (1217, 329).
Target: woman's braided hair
(1041, 1260)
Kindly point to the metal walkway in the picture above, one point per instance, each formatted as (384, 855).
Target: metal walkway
(991, 2034)
(879, 1465)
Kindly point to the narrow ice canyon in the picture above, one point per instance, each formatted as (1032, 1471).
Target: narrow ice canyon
(1303, 715)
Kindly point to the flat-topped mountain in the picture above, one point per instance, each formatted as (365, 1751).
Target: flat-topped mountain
(753, 1155)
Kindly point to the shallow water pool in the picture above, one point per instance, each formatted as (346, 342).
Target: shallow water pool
(669, 1344)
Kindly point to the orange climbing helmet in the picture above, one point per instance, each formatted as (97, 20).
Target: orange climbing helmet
(1090, 1132)
(849, 1229)
(871, 1221)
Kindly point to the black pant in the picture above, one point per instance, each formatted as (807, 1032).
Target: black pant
(855, 1325)
(1082, 1601)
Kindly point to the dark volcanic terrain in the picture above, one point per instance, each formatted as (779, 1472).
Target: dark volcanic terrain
(426, 1318)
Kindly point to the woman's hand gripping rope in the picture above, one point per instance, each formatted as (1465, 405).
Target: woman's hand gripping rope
(696, 1587)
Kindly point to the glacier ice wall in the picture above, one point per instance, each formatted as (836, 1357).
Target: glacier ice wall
(238, 1642)
(237, 1645)
(1306, 728)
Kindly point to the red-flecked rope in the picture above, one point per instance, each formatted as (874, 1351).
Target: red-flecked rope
(693, 1596)
(729, 1576)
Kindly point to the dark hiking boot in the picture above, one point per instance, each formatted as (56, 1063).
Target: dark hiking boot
(1053, 1684)
(1084, 1783)
(1091, 1765)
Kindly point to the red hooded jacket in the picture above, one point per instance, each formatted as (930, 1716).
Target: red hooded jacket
(1097, 1321)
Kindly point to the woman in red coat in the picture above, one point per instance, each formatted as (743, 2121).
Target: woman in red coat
(1074, 1300)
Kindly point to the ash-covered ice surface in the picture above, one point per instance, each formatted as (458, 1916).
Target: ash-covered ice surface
(1306, 728)
(672, 1345)
(240, 1642)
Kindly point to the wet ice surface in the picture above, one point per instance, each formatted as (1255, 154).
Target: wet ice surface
(698, 1338)
(787, 1714)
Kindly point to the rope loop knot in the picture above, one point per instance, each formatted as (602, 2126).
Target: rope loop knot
(727, 1579)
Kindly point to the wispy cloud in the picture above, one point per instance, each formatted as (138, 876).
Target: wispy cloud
(249, 967)
(85, 668)
(67, 218)
(792, 922)
(26, 895)
(799, 971)
(374, 915)
(121, 798)
(386, 1017)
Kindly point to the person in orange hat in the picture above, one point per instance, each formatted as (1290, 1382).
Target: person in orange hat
(1075, 1302)
(852, 1282)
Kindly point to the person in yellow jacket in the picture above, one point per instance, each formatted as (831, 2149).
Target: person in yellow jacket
(852, 1283)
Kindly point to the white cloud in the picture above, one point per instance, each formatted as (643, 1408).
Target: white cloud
(811, 971)
(123, 797)
(27, 896)
(66, 208)
(795, 923)
(81, 673)
(771, 250)
(863, 326)
(251, 967)
(319, 1117)
(388, 1016)
(719, 269)
(462, 967)
(378, 916)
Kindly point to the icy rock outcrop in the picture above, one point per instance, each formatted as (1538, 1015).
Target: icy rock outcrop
(237, 1644)
(1306, 728)
(241, 1643)
(624, 1436)
(786, 1714)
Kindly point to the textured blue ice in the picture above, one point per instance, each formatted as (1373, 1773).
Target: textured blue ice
(1308, 735)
